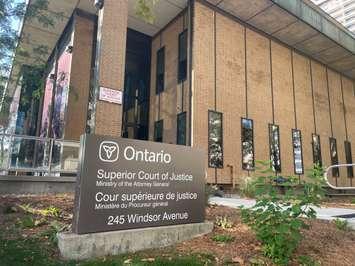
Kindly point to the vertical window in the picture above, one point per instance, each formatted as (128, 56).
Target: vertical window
(248, 162)
(297, 151)
(349, 158)
(160, 70)
(181, 129)
(158, 131)
(215, 139)
(317, 152)
(334, 156)
(182, 67)
(274, 141)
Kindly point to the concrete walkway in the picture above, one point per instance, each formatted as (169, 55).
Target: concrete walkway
(322, 213)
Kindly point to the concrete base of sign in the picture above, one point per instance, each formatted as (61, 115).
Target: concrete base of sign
(81, 247)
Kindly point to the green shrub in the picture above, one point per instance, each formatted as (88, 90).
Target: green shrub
(248, 188)
(341, 224)
(224, 222)
(51, 233)
(27, 222)
(353, 201)
(307, 261)
(277, 219)
(223, 238)
(51, 211)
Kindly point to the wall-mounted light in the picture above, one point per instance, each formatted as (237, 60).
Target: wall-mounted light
(99, 4)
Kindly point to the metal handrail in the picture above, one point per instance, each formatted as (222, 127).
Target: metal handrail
(336, 166)
(48, 168)
(39, 138)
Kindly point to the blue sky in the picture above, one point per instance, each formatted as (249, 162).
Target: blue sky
(15, 25)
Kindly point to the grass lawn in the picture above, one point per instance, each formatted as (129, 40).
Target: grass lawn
(35, 251)
(28, 227)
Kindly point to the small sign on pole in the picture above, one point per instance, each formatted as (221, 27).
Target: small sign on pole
(110, 95)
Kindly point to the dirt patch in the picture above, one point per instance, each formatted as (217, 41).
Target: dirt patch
(323, 242)
(340, 202)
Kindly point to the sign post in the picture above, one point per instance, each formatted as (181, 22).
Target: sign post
(128, 184)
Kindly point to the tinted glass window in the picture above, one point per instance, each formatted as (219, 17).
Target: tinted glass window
(297, 151)
(349, 158)
(248, 162)
(334, 156)
(182, 67)
(160, 70)
(275, 153)
(215, 139)
(181, 129)
(317, 153)
(158, 131)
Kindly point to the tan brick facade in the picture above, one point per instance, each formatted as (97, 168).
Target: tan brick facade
(289, 84)
(80, 78)
(108, 118)
(236, 71)
(169, 103)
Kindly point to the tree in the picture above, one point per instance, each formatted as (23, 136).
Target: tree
(10, 13)
(144, 9)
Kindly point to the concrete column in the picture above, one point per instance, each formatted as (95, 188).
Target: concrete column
(111, 52)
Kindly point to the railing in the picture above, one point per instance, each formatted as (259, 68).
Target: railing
(337, 166)
(27, 155)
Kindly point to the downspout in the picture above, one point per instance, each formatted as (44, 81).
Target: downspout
(191, 8)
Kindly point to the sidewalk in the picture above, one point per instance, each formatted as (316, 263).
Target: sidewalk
(322, 213)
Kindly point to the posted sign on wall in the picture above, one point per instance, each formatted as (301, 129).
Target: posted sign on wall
(126, 184)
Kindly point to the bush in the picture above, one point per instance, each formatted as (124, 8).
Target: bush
(277, 219)
(248, 188)
(307, 261)
(52, 231)
(223, 238)
(341, 224)
(224, 222)
(27, 222)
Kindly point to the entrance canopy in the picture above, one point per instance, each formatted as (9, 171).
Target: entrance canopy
(297, 23)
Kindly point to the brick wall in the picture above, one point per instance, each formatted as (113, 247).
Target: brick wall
(291, 90)
(80, 78)
(168, 104)
(108, 117)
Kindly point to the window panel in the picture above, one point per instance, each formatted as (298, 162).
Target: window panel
(182, 67)
(215, 139)
(317, 151)
(181, 129)
(349, 158)
(160, 70)
(275, 153)
(297, 151)
(158, 131)
(334, 156)
(248, 162)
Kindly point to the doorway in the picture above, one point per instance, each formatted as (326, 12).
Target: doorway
(137, 86)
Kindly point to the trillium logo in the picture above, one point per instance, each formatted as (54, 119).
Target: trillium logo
(109, 151)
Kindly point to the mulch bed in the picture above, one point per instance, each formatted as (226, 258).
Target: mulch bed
(323, 242)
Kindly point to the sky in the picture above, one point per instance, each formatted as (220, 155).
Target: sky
(15, 25)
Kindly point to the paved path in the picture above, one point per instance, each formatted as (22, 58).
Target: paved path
(322, 213)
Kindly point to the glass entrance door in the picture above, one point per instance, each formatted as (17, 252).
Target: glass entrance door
(137, 84)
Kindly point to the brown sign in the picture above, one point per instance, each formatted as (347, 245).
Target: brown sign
(126, 184)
